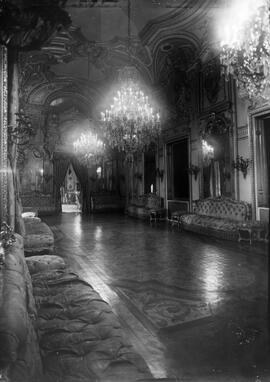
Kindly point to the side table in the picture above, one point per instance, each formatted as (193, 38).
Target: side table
(176, 218)
(157, 215)
(254, 231)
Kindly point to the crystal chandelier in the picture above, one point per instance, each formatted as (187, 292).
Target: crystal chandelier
(88, 148)
(245, 44)
(130, 124)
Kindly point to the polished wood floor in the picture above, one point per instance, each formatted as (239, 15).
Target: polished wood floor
(194, 307)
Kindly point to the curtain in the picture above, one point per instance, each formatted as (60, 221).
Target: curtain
(82, 174)
(60, 166)
(215, 179)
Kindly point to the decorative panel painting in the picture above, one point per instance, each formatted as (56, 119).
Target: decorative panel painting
(215, 92)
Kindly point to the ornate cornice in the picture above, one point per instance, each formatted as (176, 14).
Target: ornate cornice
(216, 124)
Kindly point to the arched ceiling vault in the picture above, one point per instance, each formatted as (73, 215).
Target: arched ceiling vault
(84, 59)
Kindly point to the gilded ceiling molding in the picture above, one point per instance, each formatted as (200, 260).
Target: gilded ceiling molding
(79, 101)
(217, 124)
(40, 93)
(3, 134)
(96, 3)
(184, 18)
(68, 45)
(180, 51)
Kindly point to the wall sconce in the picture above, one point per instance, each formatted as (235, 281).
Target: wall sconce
(159, 173)
(241, 164)
(207, 152)
(194, 170)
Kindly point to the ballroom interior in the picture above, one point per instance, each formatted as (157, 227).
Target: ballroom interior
(134, 190)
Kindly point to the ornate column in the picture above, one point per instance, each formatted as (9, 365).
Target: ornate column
(3, 134)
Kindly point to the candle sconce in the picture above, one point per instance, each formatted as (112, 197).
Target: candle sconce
(241, 164)
(194, 170)
(160, 173)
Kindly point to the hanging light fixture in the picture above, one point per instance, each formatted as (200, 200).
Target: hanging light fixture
(88, 148)
(131, 124)
(245, 43)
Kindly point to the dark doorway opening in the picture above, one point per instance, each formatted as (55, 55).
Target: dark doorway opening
(150, 172)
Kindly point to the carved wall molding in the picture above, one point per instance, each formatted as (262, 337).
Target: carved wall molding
(3, 133)
(242, 132)
(216, 124)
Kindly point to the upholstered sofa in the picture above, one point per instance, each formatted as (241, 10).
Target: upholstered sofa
(220, 217)
(144, 205)
(107, 202)
(55, 327)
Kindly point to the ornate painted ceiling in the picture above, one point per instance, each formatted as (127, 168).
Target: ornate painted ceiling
(169, 38)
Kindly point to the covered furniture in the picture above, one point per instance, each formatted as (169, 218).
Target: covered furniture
(220, 217)
(146, 206)
(55, 327)
(38, 238)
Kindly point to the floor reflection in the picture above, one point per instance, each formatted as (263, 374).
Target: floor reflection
(187, 295)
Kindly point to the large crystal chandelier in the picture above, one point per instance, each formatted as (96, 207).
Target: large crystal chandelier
(245, 43)
(88, 148)
(130, 124)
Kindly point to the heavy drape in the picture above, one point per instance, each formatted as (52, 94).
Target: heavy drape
(82, 174)
(60, 166)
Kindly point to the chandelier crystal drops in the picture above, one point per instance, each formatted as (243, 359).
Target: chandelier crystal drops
(88, 148)
(131, 124)
(246, 48)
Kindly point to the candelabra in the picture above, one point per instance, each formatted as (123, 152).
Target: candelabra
(131, 124)
(241, 164)
(88, 148)
(245, 44)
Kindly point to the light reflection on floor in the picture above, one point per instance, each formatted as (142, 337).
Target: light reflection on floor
(132, 265)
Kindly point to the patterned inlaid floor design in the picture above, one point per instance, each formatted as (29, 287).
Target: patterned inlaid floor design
(161, 306)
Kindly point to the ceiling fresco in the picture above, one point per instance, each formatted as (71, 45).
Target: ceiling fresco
(169, 39)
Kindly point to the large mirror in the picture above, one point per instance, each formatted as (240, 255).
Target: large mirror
(216, 143)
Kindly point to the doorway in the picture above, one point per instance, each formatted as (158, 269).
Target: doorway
(150, 171)
(178, 185)
(71, 192)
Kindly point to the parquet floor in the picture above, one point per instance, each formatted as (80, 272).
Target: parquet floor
(194, 307)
